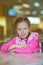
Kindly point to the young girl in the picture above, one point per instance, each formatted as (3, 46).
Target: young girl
(26, 41)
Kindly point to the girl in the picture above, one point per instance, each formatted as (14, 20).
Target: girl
(26, 41)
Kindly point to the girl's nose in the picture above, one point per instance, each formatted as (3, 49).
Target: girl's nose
(22, 31)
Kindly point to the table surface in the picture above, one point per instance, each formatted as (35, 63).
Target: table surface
(21, 59)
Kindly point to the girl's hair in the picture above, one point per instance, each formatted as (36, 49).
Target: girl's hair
(22, 19)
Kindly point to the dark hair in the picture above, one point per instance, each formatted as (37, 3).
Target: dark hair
(22, 19)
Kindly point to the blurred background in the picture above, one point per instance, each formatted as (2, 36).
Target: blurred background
(11, 9)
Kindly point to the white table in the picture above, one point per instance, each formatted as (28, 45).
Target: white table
(21, 59)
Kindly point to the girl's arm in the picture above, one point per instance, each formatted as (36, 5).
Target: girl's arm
(32, 47)
(4, 47)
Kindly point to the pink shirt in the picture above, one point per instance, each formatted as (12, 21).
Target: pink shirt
(34, 44)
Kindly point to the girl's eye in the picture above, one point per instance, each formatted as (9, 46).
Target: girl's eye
(25, 28)
(19, 29)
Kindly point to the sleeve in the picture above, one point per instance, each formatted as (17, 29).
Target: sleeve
(4, 47)
(34, 45)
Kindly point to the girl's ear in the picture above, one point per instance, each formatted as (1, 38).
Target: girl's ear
(30, 29)
(16, 32)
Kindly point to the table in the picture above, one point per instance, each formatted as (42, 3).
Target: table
(21, 59)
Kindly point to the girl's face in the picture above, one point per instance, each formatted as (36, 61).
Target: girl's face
(23, 29)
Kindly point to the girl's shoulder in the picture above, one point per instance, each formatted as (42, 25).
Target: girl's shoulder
(16, 39)
(33, 35)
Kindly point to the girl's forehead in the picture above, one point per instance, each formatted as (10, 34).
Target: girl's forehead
(22, 24)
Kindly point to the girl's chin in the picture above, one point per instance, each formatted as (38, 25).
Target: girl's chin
(23, 37)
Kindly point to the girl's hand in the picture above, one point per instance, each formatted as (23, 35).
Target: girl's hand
(12, 47)
(24, 45)
(13, 51)
(21, 45)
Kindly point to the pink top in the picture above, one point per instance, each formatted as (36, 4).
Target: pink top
(34, 44)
